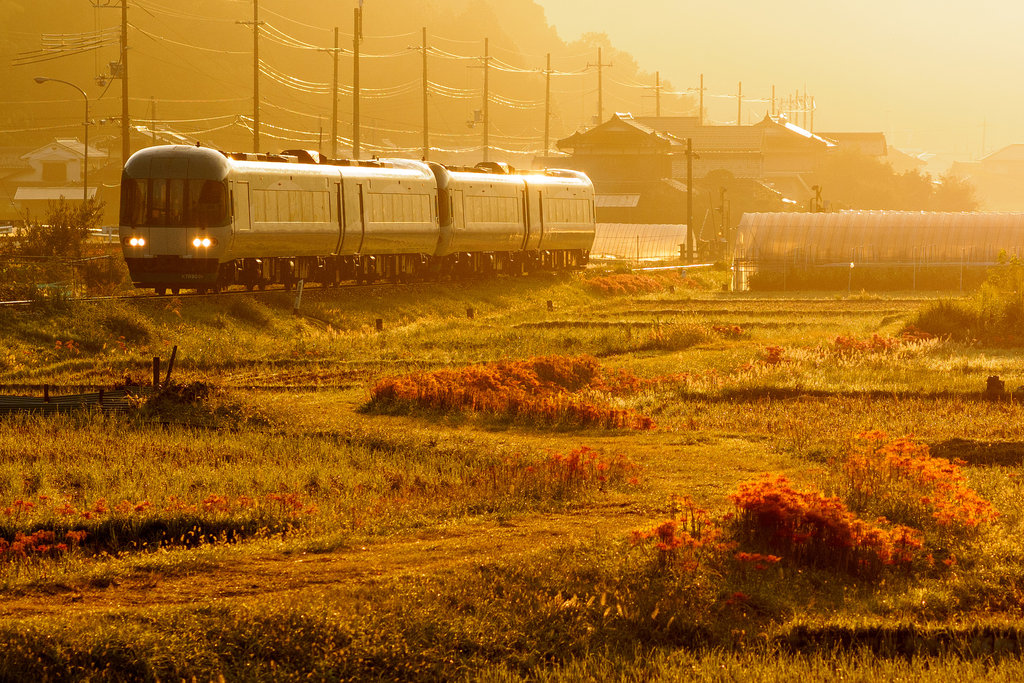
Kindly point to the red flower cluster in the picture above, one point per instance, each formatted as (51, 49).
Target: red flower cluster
(686, 542)
(809, 528)
(904, 471)
(38, 544)
(547, 388)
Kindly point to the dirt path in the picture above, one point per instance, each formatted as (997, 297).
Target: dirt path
(343, 571)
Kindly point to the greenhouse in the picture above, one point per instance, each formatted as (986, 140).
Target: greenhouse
(872, 249)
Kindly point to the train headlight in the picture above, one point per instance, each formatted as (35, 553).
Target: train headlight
(203, 242)
(137, 241)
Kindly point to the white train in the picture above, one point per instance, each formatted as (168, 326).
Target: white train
(193, 217)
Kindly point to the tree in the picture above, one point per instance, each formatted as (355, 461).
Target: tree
(856, 181)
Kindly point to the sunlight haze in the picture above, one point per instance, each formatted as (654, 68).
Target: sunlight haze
(935, 77)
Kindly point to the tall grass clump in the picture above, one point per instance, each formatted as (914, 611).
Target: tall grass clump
(625, 283)
(548, 389)
(994, 314)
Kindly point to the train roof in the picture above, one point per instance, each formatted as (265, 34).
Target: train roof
(204, 162)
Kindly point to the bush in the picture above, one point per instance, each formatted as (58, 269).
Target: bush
(548, 389)
(994, 314)
(810, 529)
(900, 479)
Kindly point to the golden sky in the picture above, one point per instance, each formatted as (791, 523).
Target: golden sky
(937, 76)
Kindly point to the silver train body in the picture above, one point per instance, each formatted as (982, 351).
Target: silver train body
(194, 217)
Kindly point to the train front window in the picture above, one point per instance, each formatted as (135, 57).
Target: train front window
(173, 202)
(134, 197)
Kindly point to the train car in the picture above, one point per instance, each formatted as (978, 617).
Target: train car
(193, 217)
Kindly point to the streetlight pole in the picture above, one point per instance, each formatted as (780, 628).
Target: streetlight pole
(85, 162)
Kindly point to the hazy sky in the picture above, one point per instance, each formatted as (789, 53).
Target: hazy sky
(940, 76)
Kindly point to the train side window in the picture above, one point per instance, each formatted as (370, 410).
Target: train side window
(259, 206)
(270, 199)
(208, 205)
(307, 206)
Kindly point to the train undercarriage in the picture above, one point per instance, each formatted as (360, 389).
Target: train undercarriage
(175, 274)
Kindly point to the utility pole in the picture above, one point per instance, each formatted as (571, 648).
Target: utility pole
(152, 120)
(426, 91)
(773, 101)
(126, 141)
(812, 113)
(547, 105)
(255, 23)
(334, 100)
(122, 73)
(357, 34)
(739, 105)
(657, 93)
(256, 75)
(600, 85)
(487, 99)
(700, 107)
(691, 240)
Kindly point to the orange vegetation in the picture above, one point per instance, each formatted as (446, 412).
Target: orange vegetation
(551, 389)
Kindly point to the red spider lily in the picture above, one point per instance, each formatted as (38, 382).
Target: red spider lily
(904, 471)
(547, 388)
(809, 528)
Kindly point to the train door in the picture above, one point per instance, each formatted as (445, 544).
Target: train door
(350, 210)
(243, 218)
(361, 198)
(534, 219)
(338, 210)
(458, 214)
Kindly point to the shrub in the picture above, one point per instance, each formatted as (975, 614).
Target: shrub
(550, 389)
(900, 479)
(811, 529)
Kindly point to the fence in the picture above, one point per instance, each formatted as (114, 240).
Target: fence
(638, 241)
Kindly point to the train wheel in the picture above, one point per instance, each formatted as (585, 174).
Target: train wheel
(175, 291)
(160, 291)
(200, 290)
(216, 288)
(261, 285)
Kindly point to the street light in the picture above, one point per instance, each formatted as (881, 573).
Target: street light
(85, 163)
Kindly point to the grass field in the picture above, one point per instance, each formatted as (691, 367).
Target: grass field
(528, 493)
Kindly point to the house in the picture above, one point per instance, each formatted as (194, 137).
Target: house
(52, 172)
(639, 169)
(997, 178)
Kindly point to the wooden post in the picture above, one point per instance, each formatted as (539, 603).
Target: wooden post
(469, 313)
(551, 305)
(101, 397)
(170, 365)
(46, 393)
(379, 324)
(156, 373)
(298, 297)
